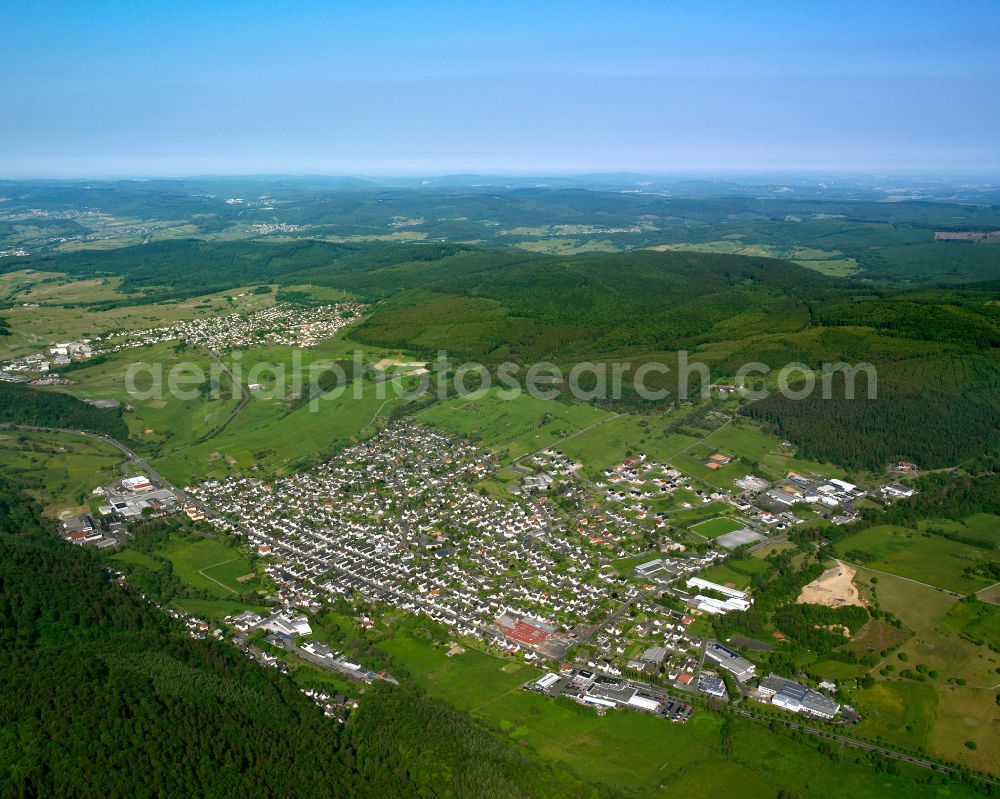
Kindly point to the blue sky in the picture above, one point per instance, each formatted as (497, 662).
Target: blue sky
(179, 88)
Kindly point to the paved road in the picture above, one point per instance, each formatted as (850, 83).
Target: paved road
(244, 399)
(131, 454)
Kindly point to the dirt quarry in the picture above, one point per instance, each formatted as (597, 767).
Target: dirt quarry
(835, 588)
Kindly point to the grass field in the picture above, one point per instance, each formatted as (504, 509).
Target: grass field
(612, 442)
(935, 619)
(909, 553)
(212, 565)
(163, 421)
(60, 468)
(937, 714)
(937, 718)
(874, 637)
(468, 681)
(985, 526)
(736, 572)
(137, 558)
(638, 753)
(968, 714)
(512, 427)
(690, 461)
(979, 621)
(212, 609)
(713, 528)
(268, 435)
(899, 712)
(770, 549)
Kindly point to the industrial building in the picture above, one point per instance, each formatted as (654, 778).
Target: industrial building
(725, 658)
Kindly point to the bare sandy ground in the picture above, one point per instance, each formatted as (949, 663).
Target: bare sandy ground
(835, 587)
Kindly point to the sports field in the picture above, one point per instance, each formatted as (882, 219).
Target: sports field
(212, 565)
(713, 528)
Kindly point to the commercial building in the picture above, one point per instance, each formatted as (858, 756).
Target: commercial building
(725, 658)
(796, 697)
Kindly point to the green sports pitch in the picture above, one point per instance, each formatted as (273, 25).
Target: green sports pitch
(713, 528)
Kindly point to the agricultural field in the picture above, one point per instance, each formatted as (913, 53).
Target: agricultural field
(60, 469)
(513, 427)
(984, 526)
(908, 553)
(719, 526)
(827, 262)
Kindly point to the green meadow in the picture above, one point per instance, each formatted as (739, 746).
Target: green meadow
(514, 427)
(639, 754)
(919, 556)
(269, 435)
(614, 441)
(212, 565)
(949, 698)
(763, 452)
(737, 572)
(61, 469)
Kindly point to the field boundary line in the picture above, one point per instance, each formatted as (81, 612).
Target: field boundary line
(208, 576)
(908, 579)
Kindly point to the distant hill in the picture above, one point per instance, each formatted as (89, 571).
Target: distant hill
(936, 347)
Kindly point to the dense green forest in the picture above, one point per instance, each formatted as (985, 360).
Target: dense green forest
(29, 406)
(101, 694)
(172, 269)
(934, 425)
